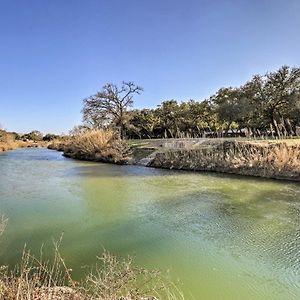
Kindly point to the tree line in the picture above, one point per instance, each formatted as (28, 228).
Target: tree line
(34, 135)
(266, 105)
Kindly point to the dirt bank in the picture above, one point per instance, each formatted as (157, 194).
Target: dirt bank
(278, 159)
(270, 159)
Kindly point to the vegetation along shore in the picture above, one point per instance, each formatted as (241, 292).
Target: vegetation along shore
(247, 130)
(13, 140)
(110, 278)
(278, 159)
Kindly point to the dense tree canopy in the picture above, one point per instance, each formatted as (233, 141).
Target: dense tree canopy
(265, 105)
(34, 135)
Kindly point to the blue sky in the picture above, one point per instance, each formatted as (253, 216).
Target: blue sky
(53, 53)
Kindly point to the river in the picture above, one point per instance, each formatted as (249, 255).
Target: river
(224, 237)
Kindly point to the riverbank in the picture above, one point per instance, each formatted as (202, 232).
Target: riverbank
(6, 146)
(268, 159)
(94, 145)
(278, 159)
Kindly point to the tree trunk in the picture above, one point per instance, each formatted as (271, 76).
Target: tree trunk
(274, 122)
(227, 129)
(289, 127)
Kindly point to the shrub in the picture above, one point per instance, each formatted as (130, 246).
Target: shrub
(34, 135)
(50, 137)
(97, 145)
(7, 137)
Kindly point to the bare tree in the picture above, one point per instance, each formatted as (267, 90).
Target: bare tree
(108, 107)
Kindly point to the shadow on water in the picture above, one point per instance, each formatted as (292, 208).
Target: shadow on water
(98, 169)
(109, 170)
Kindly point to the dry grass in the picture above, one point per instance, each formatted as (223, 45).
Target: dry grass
(115, 279)
(3, 222)
(110, 279)
(6, 146)
(59, 144)
(265, 159)
(97, 145)
(271, 160)
(8, 141)
(289, 142)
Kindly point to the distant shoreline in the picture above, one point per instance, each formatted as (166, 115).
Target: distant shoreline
(6, 146)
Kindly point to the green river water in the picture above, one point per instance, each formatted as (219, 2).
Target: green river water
(222, 236)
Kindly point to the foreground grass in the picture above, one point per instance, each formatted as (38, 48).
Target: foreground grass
(109, 279)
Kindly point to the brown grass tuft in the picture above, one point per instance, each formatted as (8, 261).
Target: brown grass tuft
(265, 159)
(97, 145)
(110, 279)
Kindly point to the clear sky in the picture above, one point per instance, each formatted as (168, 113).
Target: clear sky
(53, 53)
